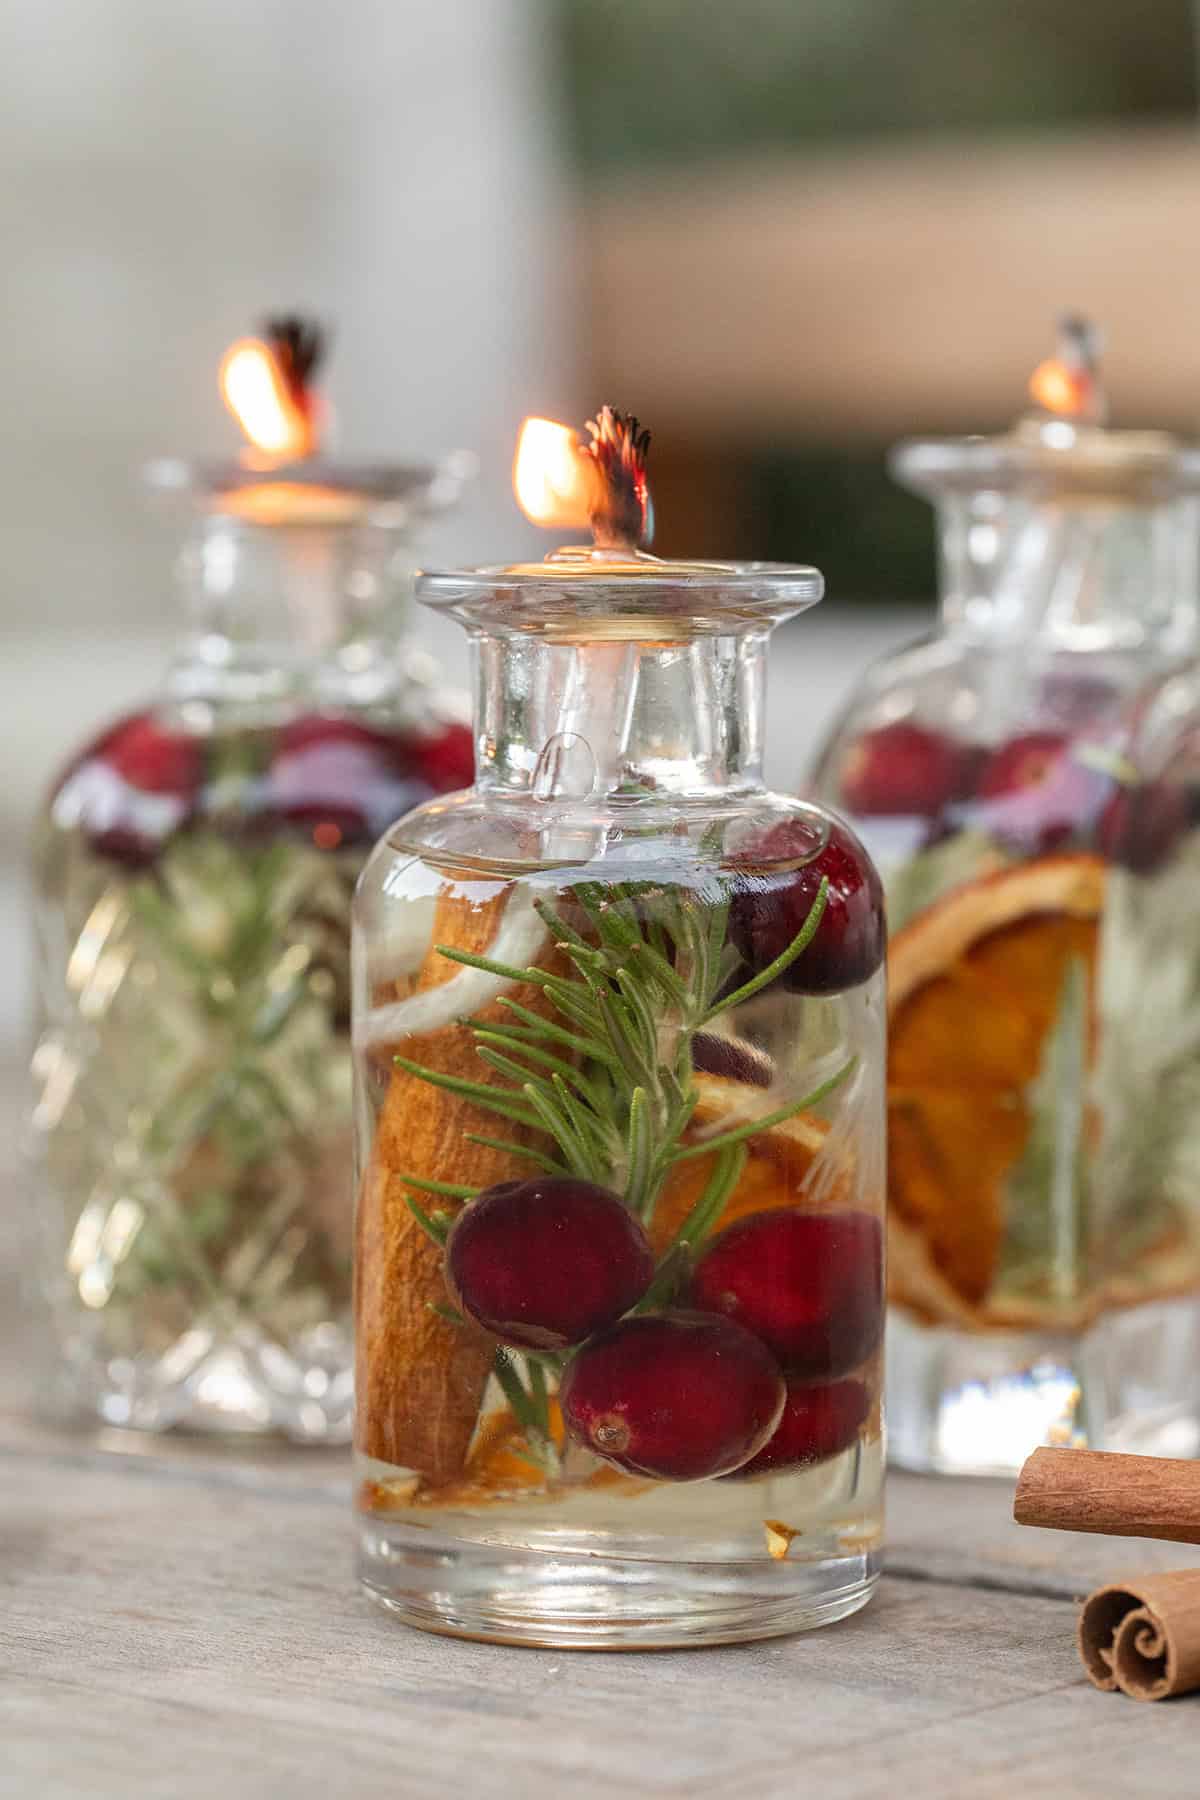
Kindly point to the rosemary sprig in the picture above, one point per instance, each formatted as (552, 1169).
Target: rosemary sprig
(764, 1121)
(784, 960)
(674, 1262)
(606, 1078)
(546, 1163)
(452, 1190)
(435, 1225)
(492, 1098)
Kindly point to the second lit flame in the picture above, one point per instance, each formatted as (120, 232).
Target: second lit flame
(554, 478)
(1068, 383)
(259, 396)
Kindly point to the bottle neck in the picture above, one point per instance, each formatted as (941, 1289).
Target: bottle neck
(1072, 573)
(283, 612)
(618, 719)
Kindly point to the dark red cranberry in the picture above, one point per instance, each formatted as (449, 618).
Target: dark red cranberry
(342, 782)
(770, 906)
(319, 730)
(443, 756)
(1037, 794)
(544, 1263)
(153, 758)
(731, 1058)
(905, 769)
(820, 1420)
(679, 1396)
(1030, 760)
(810, 1285)
(1140, 827)
(132, 789)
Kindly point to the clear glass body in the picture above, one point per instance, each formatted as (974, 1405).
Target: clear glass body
(194, 869)
(1034, 1284)
(1148, 1006)
(619, 1091)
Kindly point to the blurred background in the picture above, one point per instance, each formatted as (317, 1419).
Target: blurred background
(783, 234)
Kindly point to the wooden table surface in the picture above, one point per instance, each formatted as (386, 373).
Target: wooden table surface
(181, 1621)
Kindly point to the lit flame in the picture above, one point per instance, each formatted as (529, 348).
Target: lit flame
(554, 478)
(258, 395)
(1068, 383)
(560, 481)
(1058, 389)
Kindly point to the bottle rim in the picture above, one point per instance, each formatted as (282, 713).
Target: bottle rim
(591, 590)
(1049, 457)
(322, 490)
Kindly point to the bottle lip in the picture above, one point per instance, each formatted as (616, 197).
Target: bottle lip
(315, 491)
(583, 590)
(1048, 456)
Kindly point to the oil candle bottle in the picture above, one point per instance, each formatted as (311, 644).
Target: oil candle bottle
(619, 1065)
(194, 870)
(985, 770)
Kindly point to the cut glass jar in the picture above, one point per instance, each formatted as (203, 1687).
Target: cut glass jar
(984, 769)
(619, 1076)
(194, 868)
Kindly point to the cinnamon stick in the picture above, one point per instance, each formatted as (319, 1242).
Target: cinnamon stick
(1142, 1634)
(420, 1378)
(1098, 1490)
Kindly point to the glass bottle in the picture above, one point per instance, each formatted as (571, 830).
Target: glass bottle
(1149, 1006)
(983, 769)
(619, 1078)
(194, 868)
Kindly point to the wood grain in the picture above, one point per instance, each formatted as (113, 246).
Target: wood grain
(181, 1620)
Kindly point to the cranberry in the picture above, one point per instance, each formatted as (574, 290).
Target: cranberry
(545, 1262)
(150, 757)
(1026, 761)
(678, 1397)
(343, 782)
(905, 769)
(771, 905)
(1036, 794)
(731, 1058)
(335, 780)
(820, 1419)
(810, 1285)
(132, 789)
(444, 757)
(1140, 827)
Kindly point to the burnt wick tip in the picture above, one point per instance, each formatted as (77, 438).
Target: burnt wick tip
(300, 345)
(621, 515)
(1080, 342)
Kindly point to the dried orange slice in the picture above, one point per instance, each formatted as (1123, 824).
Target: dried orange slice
(780, 1170)
(974, 987)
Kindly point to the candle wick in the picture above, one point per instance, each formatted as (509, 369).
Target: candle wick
(621, 514)
(299, 346)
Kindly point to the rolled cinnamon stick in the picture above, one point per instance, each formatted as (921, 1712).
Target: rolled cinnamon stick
(1142, 1635)
(420, 1378)
(1098, 1490)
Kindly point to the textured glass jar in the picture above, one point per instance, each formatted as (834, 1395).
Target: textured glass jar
(983, 767)
(194, 868)
(619, 1057)
(1149, 1005)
